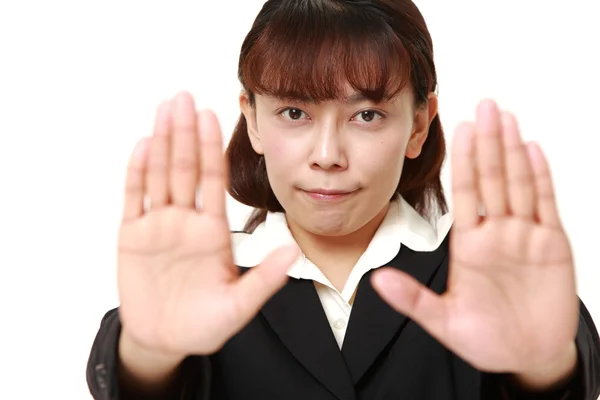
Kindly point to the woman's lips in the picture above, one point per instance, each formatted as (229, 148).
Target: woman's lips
(328, 194)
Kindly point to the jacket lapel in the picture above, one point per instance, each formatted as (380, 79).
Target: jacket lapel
(373, 323)
(296, 315)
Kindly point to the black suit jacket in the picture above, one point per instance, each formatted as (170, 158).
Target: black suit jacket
(288, 352)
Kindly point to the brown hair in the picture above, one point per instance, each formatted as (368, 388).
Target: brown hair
(307, 50)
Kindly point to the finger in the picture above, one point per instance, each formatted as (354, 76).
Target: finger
(409, 297)
(260, 283)
(158, 158)
(213, 172)
(465, 195)
(547, 210)
(134, 182)
(520, 185)
(183, 160)
(490, 160)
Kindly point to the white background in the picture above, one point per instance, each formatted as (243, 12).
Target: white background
(79, 82)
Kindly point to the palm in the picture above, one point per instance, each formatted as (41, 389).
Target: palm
(172, 243)
(179, 290)
(506, 286)
(510, 302)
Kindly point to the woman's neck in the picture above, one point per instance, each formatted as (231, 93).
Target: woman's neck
(335, 256)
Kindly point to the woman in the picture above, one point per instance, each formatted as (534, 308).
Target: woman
(339, 148)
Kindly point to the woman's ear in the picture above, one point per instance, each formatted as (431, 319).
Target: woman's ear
(423, 117)
(249, 113)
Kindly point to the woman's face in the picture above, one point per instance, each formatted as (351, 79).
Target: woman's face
(335, 165)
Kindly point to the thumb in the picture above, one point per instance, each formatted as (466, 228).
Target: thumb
(260, 283)
(409, 297)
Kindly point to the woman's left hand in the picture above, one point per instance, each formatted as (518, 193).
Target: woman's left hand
(511, 304)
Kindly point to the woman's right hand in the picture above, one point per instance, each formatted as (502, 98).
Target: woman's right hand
(180, 292)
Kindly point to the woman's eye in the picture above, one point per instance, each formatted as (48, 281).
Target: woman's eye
(368, 116)
(293, 113)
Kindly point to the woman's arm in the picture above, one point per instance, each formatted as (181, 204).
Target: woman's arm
(119, 369)
(144, 371)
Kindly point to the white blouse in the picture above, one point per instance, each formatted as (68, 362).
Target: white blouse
(402, 225)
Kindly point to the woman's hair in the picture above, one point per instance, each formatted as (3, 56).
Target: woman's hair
(308, 50)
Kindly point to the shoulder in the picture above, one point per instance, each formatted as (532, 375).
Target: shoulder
(250, 249)
(402, 228)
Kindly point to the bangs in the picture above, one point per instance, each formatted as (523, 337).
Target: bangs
(314, 49)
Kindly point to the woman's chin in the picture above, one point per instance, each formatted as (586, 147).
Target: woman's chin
(329, 223)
